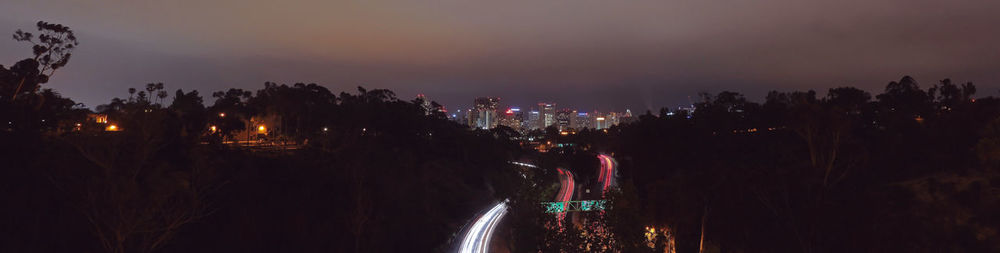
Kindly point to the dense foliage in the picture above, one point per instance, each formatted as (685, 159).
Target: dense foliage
(913, 170)
(361, 172)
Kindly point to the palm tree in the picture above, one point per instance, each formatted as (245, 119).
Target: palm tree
(161, 94)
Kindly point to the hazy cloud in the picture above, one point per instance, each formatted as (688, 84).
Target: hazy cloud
(603, 54)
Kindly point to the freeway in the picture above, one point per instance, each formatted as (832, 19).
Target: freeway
(566, 185)
(607, 174)
(565, 191)
(477, 238)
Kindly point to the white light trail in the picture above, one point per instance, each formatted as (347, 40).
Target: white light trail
(524, 164)
(477, 238)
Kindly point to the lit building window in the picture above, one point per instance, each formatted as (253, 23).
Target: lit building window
(100, 118)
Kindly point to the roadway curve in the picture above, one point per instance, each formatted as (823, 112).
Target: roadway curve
(565, 191)
(607, 174)
(567, 185)
(477, 238)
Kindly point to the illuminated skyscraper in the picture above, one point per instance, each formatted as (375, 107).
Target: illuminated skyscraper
(600, 122)
(612, 119)
(582, 121)
(512, 118)
(564, 118)
(548, 114)
(485, 112)
(534, 120)
(470, 117)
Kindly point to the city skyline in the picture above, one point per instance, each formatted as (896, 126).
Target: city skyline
(490, 112)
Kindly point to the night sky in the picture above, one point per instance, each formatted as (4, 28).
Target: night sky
(587, 54)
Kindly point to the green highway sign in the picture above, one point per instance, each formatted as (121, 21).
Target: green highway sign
(574, 206)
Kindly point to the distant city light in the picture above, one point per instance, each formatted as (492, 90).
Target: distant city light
(222, 114)
(111, 128)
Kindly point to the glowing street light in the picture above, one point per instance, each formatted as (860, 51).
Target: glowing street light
(111, 128)
(222, 115)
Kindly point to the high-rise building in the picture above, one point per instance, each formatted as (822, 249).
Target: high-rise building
(512, 118)
(600, 122)
(548, 114)
(534, 120)
(470, 117)
(486, 112)
(612, 118)
(564, 118)
(582, 121)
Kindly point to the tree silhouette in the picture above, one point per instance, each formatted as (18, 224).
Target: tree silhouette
(52, 49)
